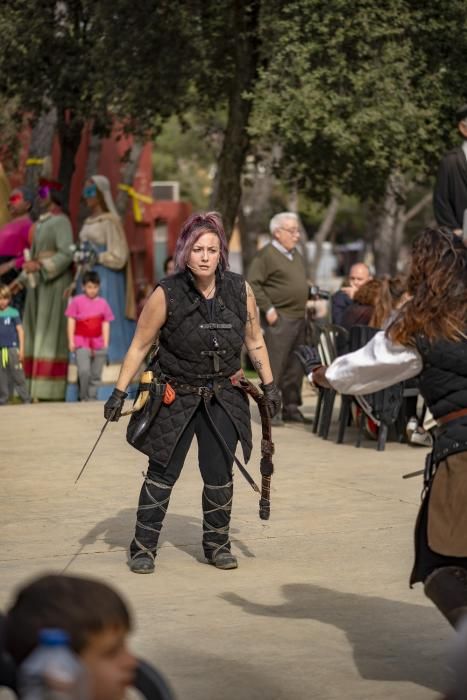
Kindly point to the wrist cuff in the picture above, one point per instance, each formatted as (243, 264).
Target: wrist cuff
(120, 394)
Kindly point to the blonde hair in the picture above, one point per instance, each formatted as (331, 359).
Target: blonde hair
(5, 291)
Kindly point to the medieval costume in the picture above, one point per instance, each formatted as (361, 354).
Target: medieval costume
(441, 530)
(201, 317)
(199, 350)
(450, 193)
(46, 346)
(105, 233)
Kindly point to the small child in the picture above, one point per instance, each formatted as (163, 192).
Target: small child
(89, 317)
(11, 350)
(95, 618)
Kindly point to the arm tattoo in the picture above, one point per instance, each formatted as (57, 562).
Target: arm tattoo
(257, 364)
(250, 319)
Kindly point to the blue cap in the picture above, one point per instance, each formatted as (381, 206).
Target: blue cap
(54, 637)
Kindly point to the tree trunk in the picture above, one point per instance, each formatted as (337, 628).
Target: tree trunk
(69, 134)
(392, 223)
(128, 175)
(390, 228)
(246, 240)
(227, 189)
(40, 147)
(322, 235)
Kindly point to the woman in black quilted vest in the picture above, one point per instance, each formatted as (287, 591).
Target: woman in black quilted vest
(202, 316)
(428, 338)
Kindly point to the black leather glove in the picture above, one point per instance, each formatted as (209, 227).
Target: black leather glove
(114, 404)
(309, 357)
(273, 398)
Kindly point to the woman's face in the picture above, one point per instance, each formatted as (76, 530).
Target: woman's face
(17, 205)
(90, 194)
(204, 256)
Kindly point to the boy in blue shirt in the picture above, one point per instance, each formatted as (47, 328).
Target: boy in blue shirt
(11, 350)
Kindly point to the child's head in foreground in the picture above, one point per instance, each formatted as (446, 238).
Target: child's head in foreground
(95, 618)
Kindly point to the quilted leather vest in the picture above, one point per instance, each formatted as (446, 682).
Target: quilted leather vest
(443, 384)
(443, 380)
(202, 340)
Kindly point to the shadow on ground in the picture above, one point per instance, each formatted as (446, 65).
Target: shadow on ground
(391, 640)
(181, 531)
(199, 672)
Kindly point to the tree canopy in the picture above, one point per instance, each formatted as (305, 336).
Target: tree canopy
(353, 91)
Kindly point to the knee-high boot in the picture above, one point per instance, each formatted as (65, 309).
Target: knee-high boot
(447, 589)
(217, 506)
(152, 507)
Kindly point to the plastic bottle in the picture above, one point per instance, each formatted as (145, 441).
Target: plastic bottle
(52, 671)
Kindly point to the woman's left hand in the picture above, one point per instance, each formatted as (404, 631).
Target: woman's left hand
(319, 377)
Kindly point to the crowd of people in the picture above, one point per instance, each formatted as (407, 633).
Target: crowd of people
(41, 267)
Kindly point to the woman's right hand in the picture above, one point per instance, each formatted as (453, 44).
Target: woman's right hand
(272, 317)
(114, 404)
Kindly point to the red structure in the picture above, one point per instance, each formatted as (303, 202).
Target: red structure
(151, 234)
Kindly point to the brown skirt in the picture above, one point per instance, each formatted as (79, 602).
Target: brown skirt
(447, 509)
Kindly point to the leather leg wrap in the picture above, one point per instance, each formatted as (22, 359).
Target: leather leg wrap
(152, 507)
(447, 589)
(217, 506)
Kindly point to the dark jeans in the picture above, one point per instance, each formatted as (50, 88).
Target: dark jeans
(215, 465)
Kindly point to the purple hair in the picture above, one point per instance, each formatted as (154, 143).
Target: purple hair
(192, 229)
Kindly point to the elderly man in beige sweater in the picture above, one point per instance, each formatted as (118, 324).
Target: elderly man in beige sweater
(278, 278)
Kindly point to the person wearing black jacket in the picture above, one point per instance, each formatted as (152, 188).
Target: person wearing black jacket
(450, 193)
(202, 314)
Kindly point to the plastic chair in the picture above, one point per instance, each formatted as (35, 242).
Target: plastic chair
(383, 407)
(331, 337)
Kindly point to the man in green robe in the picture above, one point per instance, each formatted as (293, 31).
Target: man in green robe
(47, 275)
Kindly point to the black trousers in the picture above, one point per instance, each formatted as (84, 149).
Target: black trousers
(215, 464)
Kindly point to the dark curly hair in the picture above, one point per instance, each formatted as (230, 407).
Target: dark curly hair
(437, 285)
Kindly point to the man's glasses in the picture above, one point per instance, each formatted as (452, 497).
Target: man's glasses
(290, 230)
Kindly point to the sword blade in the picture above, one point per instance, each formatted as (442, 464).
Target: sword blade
(94, 447)
(410, 475)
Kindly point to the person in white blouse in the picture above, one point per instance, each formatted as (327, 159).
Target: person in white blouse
(428, 338)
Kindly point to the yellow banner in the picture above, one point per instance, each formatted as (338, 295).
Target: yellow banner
(136, 198)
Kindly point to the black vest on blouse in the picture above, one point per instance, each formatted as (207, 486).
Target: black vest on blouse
(202, 340)
(443, 384)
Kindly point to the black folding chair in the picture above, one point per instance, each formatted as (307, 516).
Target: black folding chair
(383, 407)
(330, 338)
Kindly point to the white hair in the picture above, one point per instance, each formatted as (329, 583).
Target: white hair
(277, 221)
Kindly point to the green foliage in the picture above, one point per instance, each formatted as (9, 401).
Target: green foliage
(354, 90)
(96, 60)
(186, 151)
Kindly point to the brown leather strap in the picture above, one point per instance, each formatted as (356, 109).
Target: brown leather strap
(267, 446)
(452, 416)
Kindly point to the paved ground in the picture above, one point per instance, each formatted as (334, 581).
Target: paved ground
(320, 606)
